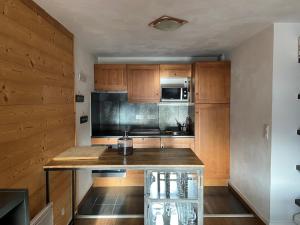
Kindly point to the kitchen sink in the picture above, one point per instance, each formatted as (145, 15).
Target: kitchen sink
(173, 133)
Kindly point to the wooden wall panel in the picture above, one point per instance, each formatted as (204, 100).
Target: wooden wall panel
(37, 118)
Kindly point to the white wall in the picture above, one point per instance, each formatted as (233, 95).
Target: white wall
(84, 63)
(251, 109)
(285, 180)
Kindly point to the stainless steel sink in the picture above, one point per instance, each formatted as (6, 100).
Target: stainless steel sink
(173, 132)
(178, 133)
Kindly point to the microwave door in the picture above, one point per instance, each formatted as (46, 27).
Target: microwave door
(171, 94)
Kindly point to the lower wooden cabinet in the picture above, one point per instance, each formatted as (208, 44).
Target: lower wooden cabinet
(212, 141)
(146, 142)
(104, 141)
(177, 143)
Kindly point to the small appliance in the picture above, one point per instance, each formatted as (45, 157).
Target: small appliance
(175, 89)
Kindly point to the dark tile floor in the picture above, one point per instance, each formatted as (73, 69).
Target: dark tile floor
(130, 200)
(140, 221)
(220, 200)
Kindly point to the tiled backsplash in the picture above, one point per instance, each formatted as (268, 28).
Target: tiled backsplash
(111, 111)
(168, 114)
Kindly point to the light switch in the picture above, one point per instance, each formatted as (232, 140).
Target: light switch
(266, 131)
(82, 77)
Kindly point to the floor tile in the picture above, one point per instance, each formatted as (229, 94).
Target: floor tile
(127, 209)
(130, 200)
(102, 210)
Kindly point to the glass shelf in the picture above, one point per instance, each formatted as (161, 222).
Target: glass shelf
(173, 185)
(173, 197)
(161, 213)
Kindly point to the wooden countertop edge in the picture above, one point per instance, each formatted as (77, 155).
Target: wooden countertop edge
(143, 159)
(134, 167)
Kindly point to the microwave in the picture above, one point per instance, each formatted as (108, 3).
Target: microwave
(174, 89)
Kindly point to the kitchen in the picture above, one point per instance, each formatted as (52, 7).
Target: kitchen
(115, 117)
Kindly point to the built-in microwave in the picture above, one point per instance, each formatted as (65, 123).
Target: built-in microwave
(174, 89)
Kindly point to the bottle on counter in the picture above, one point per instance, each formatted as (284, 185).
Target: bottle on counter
(125, 145)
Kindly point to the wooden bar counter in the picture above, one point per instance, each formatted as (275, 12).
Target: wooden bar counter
(142, 159)
(159, 165)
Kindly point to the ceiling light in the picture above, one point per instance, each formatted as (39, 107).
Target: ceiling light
(167, 23)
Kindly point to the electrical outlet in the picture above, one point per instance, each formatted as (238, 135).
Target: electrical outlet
(84, 119)
(139, 117)
(82, 77)
(151, 117)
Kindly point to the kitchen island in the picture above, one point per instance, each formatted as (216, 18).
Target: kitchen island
(173, 186)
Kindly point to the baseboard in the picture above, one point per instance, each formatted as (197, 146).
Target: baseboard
(281, 223)
(215, 182)
(247, 204)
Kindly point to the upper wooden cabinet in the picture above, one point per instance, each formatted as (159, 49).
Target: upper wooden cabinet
(175, 70)
(110, 77)
(143, 83)
(212, 82)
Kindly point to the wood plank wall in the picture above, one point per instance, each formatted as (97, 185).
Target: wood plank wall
(36, 102)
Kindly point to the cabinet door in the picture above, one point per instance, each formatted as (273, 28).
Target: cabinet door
(110, 77)
(175, 70)
(146, 142)
(104, 141)
(212, 82)
(143, 83)
(212, 141)
(177, 143)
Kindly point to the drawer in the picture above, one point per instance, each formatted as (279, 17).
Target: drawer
(104, 141)
(177, 143)
(146, 142)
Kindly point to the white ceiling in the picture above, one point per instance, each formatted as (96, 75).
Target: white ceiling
(120, 27)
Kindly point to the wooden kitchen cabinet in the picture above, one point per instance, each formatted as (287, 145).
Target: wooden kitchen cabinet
(110, 77)
(211, 82)
(104, 141)
(177, 143)
(212, 141)
(143, 83)
(175, 70)
(146, 142)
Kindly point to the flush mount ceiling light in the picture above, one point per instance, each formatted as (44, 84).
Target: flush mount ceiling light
(167, 23)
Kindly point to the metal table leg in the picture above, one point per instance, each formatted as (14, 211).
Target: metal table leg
(73, 196)
(47, 187)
